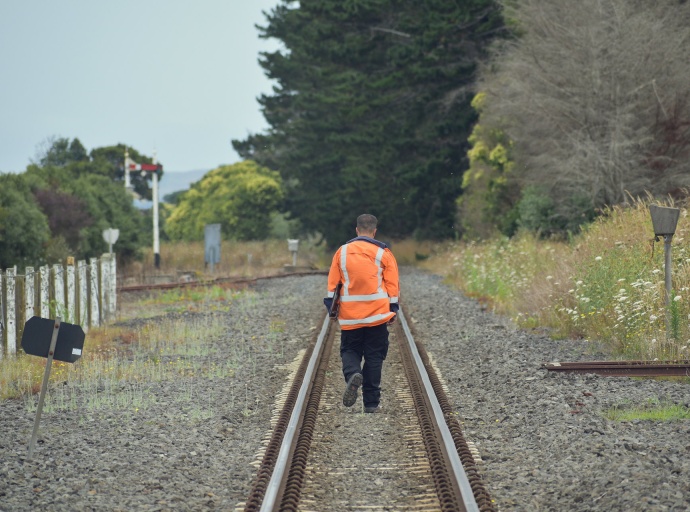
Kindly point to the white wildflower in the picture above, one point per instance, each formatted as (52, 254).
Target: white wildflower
(598, 258)
(677, 298)
(656, 271)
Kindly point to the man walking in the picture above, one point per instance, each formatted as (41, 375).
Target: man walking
(368, 303)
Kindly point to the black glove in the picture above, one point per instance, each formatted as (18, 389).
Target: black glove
(328, 302)
(395, 307)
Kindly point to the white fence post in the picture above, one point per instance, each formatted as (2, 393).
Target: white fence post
(105, 288)
(113, 286)
(29, 281)
(44, 298)
(59, 287)
(71, 292)
(11, 311)
(93, 292)
(83, 295)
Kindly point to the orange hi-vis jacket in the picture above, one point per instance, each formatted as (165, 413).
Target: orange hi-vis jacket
(369, 273)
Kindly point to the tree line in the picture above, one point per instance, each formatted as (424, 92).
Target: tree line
(466, 118)
(445, 118)
(586, 105)
(63, 202)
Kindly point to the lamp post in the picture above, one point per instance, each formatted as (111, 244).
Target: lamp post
(664, 221)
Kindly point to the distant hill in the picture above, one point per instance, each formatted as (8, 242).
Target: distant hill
(174, 181)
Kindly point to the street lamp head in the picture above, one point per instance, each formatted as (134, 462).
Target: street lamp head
(664, 220)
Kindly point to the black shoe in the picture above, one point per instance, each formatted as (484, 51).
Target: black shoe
(350, 395)
(373, 410)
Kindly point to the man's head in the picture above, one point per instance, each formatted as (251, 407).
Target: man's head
(366, 225)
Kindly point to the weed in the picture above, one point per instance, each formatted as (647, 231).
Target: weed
(604, 285)
(652, 411)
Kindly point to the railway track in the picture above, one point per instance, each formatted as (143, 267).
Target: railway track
(322, 456)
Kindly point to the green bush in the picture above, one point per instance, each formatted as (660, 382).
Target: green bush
(241, 198)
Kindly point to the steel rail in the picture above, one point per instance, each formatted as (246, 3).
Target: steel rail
(623, 368)
(459, 475)
(274, 485)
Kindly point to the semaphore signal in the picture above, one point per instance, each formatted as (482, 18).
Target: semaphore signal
(154, 168)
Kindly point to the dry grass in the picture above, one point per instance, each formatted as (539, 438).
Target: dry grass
(117, 358)
(238, 259)
(607, 284)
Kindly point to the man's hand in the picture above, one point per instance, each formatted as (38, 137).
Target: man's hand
(328, 302)
(392, 320)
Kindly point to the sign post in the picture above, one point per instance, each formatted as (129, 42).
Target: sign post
(110, 236)
(44, 385)
(212, 241)
(65, 345)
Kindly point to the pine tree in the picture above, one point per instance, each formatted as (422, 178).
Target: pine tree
(371, 111)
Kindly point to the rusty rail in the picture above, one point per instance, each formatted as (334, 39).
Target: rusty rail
(219, 281)
(623, 368)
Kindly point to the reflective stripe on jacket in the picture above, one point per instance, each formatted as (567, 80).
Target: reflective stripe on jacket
(369, 273)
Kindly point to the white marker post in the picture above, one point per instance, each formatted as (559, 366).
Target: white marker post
(293, 245)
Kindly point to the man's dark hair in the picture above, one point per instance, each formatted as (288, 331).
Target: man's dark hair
(367, 223)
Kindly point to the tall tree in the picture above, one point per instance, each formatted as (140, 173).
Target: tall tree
(371, 110)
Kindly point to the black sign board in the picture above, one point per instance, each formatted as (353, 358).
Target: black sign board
(38, 333)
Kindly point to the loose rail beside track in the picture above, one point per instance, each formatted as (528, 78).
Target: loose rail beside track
(624, 368)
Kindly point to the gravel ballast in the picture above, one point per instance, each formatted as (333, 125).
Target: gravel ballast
(543, 437)
(544, 442)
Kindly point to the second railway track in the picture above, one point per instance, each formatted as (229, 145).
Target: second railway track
(323, 456)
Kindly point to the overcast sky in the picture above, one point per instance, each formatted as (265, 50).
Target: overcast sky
(177, 76)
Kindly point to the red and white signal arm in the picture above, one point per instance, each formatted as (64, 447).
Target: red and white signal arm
(145, 167)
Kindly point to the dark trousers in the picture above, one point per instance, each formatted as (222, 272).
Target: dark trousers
(370, 343)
